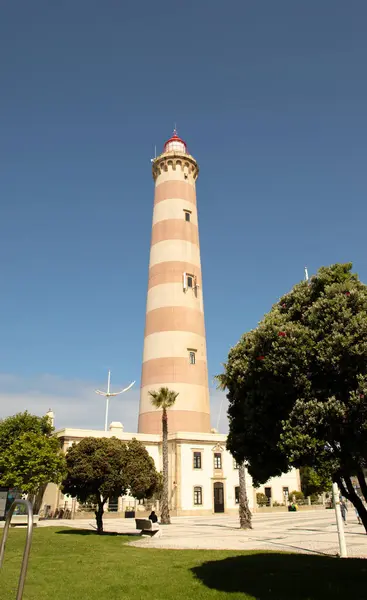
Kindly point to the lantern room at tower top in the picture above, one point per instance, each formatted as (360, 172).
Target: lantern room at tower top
(175, 144)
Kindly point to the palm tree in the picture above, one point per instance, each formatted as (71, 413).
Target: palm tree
(163, 399)
(245, 513)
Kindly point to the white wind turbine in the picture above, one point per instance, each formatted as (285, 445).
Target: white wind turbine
(108, 395)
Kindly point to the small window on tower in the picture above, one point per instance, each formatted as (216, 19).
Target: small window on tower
(187, 215)
(189, 281)
(192, 357)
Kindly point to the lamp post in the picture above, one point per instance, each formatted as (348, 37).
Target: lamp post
(339, 521)
(108, 395)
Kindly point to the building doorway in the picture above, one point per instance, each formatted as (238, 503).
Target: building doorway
(218, 497)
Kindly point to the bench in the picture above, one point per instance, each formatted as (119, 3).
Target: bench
(22, 520)
(147, 527)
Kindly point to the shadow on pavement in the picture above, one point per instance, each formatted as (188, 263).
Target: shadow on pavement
(278, 576)
(213, 525)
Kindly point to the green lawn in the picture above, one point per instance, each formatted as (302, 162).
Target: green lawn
(67, 564)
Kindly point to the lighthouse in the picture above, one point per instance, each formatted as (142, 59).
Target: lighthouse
(174, 340)
(202, 474)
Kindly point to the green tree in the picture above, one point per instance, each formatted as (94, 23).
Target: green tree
(163, 399)
(30, 457)
(314, 483)
(143, 479)
(101, 468)
(297, 384)
(13, 427)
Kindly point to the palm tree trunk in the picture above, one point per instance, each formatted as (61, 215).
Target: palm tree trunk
(165, 517)
(244, 511)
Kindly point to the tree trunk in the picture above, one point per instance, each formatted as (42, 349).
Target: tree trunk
(37, 502)
(99, 516)
(244, 511)
(362, 483)
(165, 517)
(349, 492)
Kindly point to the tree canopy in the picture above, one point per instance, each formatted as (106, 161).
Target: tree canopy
(163, 398)
(13, 427)
(297, 384)
(313, 482)
(101, 468)
(30, 457)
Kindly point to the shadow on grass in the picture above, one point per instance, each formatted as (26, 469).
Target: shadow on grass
(94, 532)
(286, 576)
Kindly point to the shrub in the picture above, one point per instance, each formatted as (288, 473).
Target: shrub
(297, 495)
(261, 499)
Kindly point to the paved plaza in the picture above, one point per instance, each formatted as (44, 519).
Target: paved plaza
(311, 532)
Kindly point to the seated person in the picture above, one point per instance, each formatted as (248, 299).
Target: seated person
(153, 517)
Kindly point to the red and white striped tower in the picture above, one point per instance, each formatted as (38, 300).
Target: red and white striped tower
(174, 344)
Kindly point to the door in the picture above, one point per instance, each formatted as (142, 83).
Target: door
(267, 491)
(218, 497)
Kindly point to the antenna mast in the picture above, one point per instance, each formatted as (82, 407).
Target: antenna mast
(108, 395)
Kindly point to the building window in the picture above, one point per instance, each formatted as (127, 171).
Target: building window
(267, 492)
(285, 491)
(198, 496)
(192, 357)
(217, 460)
(190, 281)
(187, 215)
(197, 460)
(237, 495)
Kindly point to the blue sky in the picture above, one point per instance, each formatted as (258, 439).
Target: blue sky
(271, 98)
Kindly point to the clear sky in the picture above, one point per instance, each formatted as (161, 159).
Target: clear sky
(271, 99)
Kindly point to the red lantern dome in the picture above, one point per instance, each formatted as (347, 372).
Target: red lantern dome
(175, 144)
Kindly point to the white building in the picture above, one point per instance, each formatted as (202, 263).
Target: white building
(203, 476)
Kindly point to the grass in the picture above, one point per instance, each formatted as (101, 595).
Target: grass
(68, 564)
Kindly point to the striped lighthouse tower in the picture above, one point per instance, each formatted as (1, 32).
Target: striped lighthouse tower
(174, 343)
